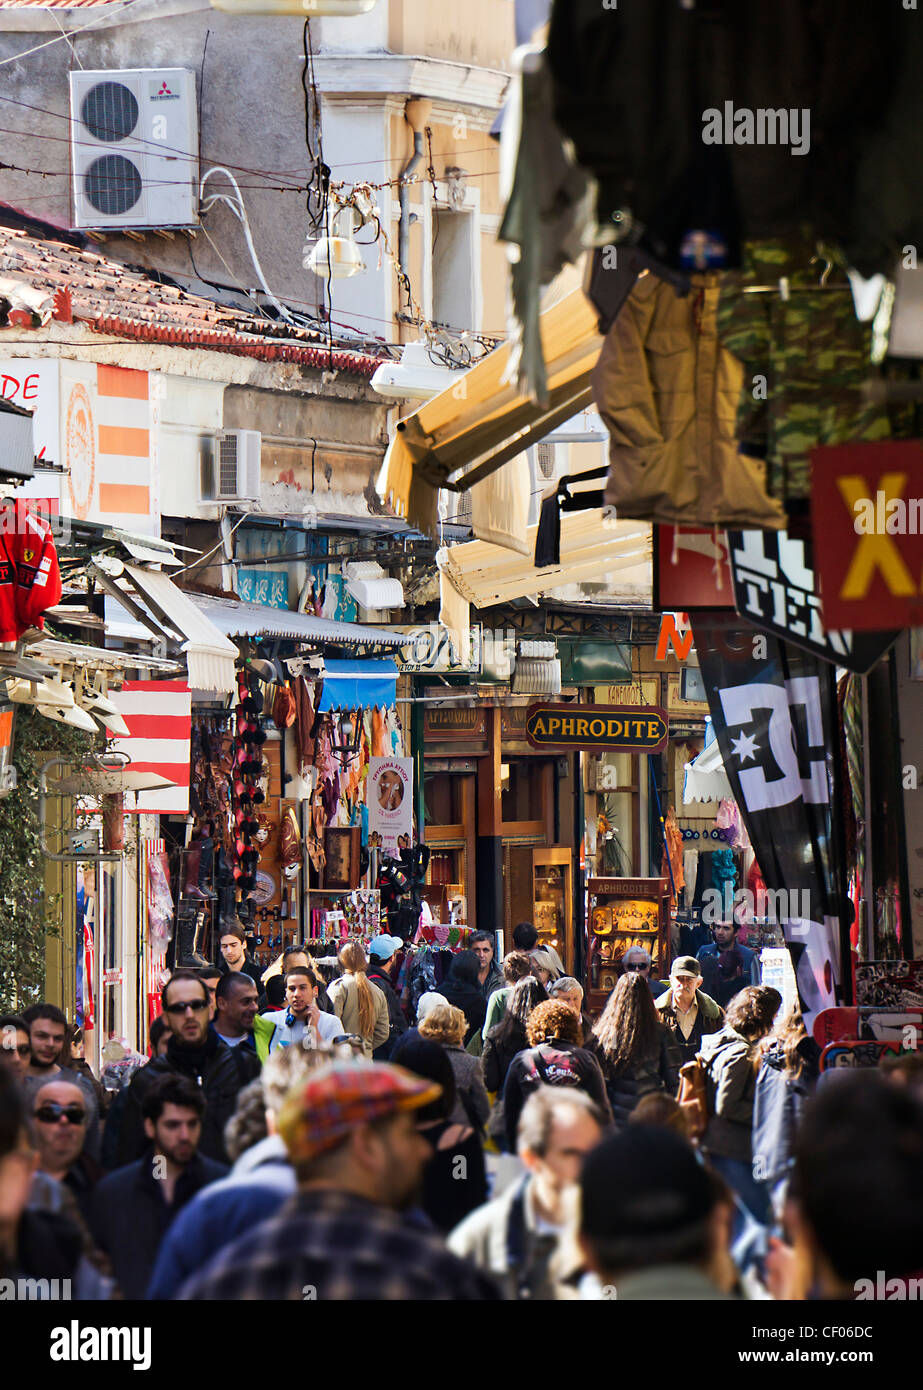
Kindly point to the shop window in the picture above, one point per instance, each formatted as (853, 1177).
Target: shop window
(522, 790)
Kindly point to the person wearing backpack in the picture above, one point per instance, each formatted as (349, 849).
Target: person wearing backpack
(731, 1060)
(553, 1058)
(383, 951)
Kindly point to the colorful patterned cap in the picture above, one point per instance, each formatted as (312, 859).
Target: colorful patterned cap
(321, 1111)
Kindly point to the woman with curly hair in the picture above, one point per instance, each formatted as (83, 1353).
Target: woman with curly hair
(638, 1053)
(554, 1057)
(358, 1004)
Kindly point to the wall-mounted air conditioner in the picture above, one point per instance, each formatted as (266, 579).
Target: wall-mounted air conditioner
(134, 148)
(233, 470)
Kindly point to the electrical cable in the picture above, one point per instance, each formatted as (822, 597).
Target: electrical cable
(202, 558)
(18, 57)
(240, 213)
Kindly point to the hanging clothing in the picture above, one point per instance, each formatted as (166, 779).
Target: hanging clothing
(547, 210)
(637, 89)
(379, 749)
(304, 724)
(30, 580)
(668, 392)
(811, 354)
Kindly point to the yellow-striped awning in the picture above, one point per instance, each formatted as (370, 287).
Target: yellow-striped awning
(483, 420)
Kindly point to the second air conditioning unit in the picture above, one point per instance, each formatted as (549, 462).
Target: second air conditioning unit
(236, 466)
(134, 148)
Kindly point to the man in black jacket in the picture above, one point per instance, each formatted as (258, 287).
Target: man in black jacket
(382, 956)
(194, 1051)
(133, 1208)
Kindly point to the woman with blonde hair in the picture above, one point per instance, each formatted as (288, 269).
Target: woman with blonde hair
(546, 964)
(446, 1025)
(358, 1004)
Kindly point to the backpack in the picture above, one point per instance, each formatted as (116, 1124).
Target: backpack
(693, 1095)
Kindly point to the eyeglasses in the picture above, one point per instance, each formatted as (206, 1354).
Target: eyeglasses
(23, 1049)
(52, 1113)
(196, 1005)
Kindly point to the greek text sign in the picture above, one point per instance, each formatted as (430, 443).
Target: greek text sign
(616, 728)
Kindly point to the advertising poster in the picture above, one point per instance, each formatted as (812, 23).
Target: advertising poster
(390, 802)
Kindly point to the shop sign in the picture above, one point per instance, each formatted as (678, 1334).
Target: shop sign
(867, 509)
(691, 568)
(454, 721)
(430, 649)
(613, 728)
(775, 590)
(390, 802)
(112, 977)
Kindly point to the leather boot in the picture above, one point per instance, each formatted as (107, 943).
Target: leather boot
(206, 866)
(191, 863)
(186, 930)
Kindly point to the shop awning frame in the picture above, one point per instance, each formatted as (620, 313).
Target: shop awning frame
(152, 599)
(481, 421)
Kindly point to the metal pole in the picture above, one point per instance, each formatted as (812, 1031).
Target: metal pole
(868, 886)
(663, 829)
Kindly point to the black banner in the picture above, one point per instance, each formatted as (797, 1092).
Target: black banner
(773, 707)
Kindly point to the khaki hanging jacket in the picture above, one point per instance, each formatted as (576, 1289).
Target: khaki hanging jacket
(668, 392)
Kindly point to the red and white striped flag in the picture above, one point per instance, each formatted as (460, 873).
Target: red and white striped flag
(159, 715)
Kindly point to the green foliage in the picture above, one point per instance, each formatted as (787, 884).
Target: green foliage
(27, 915)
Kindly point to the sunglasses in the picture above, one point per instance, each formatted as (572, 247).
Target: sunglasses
(196, 1005)
(23, 1049)
(52, 1113)
(633, 965)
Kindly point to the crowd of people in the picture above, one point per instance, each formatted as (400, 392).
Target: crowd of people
(303, 1136)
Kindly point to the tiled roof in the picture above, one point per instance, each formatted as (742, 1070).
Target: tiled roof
(41, 279)
(53, 4)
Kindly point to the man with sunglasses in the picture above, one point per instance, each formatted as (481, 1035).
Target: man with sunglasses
(59, 1125)
(47, 1038)
(194, 1051)
(639, 959)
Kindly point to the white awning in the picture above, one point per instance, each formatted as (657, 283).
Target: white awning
(705, 778)
(372, 587)
(259, 620)
(486, 574)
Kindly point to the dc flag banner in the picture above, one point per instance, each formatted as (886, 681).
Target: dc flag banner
(773, 708)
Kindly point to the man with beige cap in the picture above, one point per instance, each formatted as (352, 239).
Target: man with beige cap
(359, 1159)
(686, 1010)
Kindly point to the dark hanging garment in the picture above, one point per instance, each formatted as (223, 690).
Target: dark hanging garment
(548, 534)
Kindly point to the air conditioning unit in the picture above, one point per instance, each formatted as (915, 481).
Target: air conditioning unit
(236, 466)
(134, 148)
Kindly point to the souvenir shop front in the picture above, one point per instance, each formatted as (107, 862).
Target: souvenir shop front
(300, 808)
(499, 825)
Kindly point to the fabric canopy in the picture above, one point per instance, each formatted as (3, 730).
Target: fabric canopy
(487, 574)
(484, 420)
(358, 685)
(259, 620)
